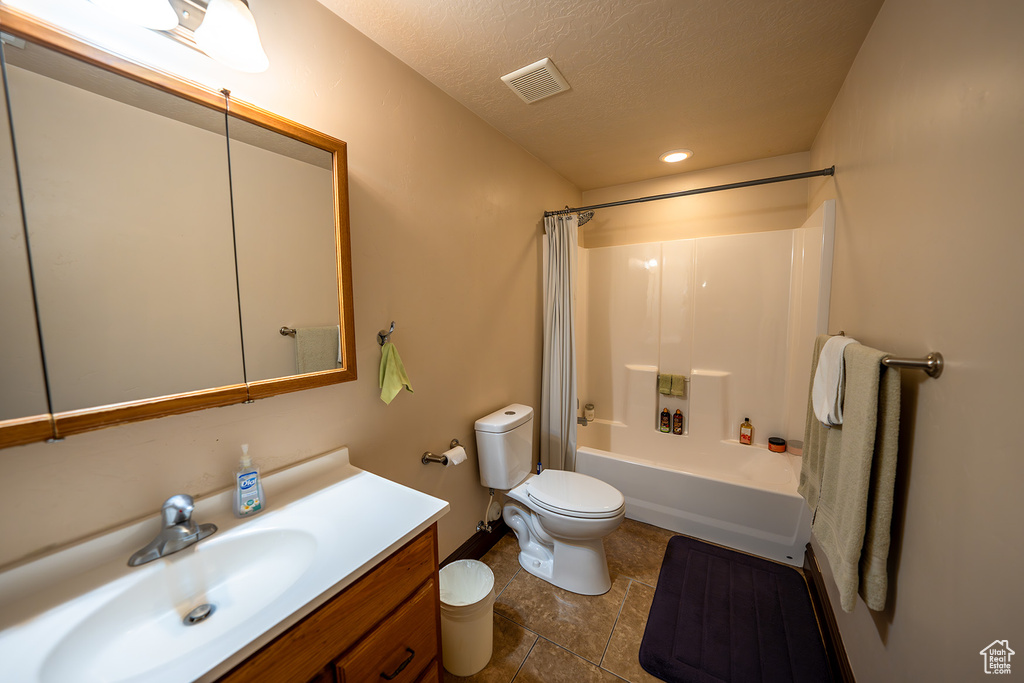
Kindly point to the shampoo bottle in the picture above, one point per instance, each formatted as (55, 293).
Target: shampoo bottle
(248, 487)
(746, 432)
(666, 421)
(677, 422)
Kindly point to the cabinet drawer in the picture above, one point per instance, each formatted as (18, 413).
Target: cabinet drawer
(431, 675)
(399, 649)
(303, 651)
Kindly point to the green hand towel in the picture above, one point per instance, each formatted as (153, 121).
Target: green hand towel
(392, 374)
(679, 386)
(665, 384)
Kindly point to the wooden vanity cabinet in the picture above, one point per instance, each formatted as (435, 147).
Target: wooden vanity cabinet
(384, 627)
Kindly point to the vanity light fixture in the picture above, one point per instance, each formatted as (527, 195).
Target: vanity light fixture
(676, 155)
(223, 29)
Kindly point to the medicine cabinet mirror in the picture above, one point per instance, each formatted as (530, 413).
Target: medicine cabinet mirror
(165, 247)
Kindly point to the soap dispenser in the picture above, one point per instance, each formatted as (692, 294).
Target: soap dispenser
(248, 487)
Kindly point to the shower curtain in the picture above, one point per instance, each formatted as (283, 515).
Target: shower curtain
(558, 370)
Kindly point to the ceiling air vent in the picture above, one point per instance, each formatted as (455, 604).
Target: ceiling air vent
(537, 81)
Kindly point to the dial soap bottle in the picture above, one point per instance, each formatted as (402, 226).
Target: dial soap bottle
(248, 487)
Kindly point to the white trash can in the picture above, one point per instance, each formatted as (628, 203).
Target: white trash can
(467, 624)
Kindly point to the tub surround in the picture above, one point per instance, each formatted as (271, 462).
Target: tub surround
(349, 519)
(744, 306)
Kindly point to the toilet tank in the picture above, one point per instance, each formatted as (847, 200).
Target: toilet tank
(504, 444)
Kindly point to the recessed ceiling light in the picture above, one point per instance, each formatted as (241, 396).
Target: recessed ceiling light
(676, 155)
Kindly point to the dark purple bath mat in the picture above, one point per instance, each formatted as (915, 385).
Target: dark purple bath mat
(720, 616)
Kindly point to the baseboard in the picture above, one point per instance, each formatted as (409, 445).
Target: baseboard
(478, 544)
(838, 662)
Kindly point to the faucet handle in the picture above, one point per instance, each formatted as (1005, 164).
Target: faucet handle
(177, 509)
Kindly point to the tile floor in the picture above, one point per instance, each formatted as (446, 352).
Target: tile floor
(543, 634)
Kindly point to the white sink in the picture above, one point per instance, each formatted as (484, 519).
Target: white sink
(83, 615)
(141, 629)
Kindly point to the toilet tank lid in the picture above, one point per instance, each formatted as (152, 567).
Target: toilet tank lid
(504, 419)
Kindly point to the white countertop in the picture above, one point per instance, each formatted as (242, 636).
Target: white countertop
(83, 614)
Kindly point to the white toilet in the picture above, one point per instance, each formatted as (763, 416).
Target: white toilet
(560, 518)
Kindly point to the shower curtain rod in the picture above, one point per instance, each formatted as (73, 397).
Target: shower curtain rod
(831, 170)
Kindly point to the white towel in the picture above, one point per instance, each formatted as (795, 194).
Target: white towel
(829, 378)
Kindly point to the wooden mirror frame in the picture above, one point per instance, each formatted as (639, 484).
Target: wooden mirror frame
(58, 425)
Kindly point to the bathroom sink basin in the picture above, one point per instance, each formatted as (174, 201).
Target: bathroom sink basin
(83, 614)
(142, 628)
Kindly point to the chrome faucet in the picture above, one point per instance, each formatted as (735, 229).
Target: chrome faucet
(179, 531)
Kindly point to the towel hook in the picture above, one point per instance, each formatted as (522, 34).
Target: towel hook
(384, 337)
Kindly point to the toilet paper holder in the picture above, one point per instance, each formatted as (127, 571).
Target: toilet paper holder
(429, 457)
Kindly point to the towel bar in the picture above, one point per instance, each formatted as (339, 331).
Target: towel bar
(287, 332)
(931, 364)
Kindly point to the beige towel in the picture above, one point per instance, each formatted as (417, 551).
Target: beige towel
(316, 348)
(848, 475)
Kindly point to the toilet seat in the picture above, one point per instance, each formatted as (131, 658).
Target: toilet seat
(574, 495)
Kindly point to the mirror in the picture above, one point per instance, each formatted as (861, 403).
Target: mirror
(170, 240)
(24, 403)
(128, 208)
(283, 193)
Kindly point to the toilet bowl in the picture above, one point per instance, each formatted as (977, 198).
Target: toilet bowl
(560, 518)
(561, 538)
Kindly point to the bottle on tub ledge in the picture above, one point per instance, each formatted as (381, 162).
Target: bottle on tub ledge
(666, 421)
(746, 432)
(677, 422)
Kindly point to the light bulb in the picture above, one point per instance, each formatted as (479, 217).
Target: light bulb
(676, 155)
(229, 35)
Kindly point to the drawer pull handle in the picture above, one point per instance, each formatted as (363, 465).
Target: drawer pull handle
(412, 653)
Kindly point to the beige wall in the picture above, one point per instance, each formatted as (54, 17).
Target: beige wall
(927, 136)
(779, 206)
(445, 239)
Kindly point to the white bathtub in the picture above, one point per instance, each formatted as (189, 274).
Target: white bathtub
(743, 497)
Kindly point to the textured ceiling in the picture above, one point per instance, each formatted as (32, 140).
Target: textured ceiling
(733, 80)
